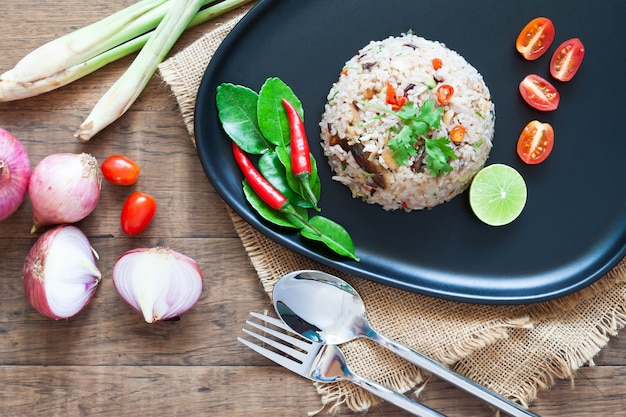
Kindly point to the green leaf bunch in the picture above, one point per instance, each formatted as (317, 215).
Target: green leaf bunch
(258, 124)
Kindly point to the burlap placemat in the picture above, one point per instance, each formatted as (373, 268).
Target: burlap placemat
(513, 350)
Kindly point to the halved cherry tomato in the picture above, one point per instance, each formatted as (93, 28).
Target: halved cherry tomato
(137, 213)
(536, 142)
(539, 93)
(567, 59)
(444, 93)
(120, 170)
(535, 39)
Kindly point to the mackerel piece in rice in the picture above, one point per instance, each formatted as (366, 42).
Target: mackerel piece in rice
(355, 134)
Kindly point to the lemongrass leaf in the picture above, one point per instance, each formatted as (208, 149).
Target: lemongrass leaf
(78, 46)
(118, 99)
(11, 89)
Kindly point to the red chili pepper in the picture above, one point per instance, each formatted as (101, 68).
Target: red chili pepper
(437, 63)
(266, 191)
(444, 93)
(393, 99)
(300, 152)
(457, 134)
(390, 97)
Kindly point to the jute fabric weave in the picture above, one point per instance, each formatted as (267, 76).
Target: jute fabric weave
(515, 351)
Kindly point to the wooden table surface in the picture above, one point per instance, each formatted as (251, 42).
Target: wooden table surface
(108, 362)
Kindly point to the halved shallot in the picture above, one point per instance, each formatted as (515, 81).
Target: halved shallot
(158, 282)
(60, 273)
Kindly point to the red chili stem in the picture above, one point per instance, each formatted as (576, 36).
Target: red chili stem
(264, 189)
(300, 152)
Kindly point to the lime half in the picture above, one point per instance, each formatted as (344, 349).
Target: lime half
(497, 194)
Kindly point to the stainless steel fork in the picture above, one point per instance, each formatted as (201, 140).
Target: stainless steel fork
(323, 363)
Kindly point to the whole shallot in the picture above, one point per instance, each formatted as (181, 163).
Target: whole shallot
(14, 174)
(64, 188)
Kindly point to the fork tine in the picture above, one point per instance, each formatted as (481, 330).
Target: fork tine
(301, 343)
(273, 321)
(298, 355)
(279, 359)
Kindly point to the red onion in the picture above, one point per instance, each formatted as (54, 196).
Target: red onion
(14, 174)
(64, 188)
(60, 273)
(158, 282)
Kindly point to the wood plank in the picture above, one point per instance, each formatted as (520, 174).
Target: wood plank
(262, 391)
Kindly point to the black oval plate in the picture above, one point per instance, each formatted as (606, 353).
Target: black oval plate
(573, 228)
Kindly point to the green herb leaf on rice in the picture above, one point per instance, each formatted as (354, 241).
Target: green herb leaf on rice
(237, 111)
(439, 154)
(402, 146)
(417, 123)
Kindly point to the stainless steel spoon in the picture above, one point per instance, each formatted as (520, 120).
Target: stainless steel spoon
(325, 309)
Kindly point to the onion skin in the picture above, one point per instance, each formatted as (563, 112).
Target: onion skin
(64, 188)
(158, 282)
(14, 174)
(60, 275)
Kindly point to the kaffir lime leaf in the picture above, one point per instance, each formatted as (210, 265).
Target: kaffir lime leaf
(497, 194)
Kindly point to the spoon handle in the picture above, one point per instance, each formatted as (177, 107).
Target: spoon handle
(394, 397)
(449, 376)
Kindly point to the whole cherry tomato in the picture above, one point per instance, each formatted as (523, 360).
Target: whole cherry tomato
(567, 59)
(120, 170)
(535, 39)
(539, 93)
(137, 213)
(536, 142)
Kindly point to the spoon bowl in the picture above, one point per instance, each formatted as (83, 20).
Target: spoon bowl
(326, 309)
(299, 297)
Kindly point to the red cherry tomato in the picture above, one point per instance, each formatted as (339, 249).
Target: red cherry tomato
(536, 142)
(137, 212)
(120, 170)
(535, 39)
(567, 59)
(539, 93)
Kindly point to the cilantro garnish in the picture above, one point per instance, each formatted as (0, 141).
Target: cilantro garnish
(417, 123)
(439, 154)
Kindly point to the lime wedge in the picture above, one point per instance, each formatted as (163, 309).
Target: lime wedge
(497, 194)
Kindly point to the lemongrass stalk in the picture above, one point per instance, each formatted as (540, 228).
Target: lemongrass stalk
(78, 46)
(118, 99)
(16, 90)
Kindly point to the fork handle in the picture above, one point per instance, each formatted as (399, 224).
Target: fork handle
(394, 397)
(449, 376)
